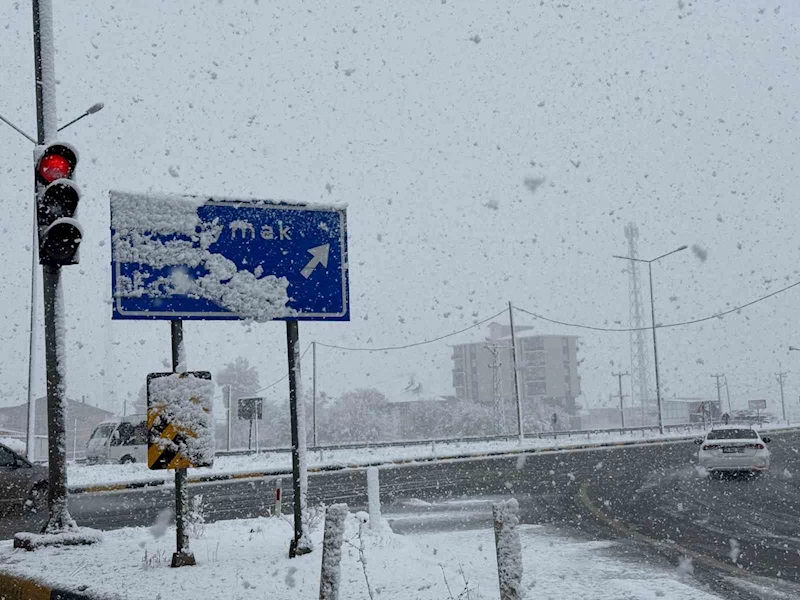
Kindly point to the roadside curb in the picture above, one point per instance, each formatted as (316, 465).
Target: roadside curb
(14, 587)
(397, 462)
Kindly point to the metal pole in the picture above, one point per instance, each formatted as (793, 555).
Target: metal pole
(17, 129)
(74, 440)
(619, 376)
(46, 128)
(300, 544)
(655, 349)
(719, 391)
(314, 394)
(783, 404)
(255, 409)
(60, 519)
(30, 438)
(226, 391)
(516, 373)
(183, 556)
(728, 394)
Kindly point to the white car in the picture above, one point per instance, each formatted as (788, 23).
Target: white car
(733, 448)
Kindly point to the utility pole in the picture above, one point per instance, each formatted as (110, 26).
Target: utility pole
(30, 434)
(719, 388)
(728, 394)
(653, 323)
(314, 394)
(619, 376)
(783, 403)
(498, 411)
(516, 372)
(226, 398)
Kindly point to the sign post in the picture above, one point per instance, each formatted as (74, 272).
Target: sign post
(205, 258)
(300, 544)
(180, 431)
(758, 406)
(251, 409)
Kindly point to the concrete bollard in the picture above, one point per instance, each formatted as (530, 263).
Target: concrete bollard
(374, 498)
(331, 574)
(509, 550)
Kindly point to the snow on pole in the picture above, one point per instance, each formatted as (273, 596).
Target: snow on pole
(374, 498)
(45, 61)
(509, 551)
(301, 542)
(331, 574)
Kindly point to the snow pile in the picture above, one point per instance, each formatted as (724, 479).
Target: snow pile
(79, 536)
(161, 232)
(183, 402)
(249, 559)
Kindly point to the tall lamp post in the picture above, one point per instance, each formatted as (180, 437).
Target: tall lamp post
(653, 323)
(31, 429)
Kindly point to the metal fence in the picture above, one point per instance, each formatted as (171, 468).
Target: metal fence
(578, 433)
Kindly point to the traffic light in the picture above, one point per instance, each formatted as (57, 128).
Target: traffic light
(56, 204)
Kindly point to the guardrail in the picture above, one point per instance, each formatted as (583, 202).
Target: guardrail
(485, 438)
(362, 463)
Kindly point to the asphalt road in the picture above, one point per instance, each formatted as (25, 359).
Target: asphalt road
(741, 533)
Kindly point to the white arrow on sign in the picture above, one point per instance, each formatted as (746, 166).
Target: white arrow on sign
(320, 257)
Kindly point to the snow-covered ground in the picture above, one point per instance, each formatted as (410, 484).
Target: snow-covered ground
(81, 475)
(248, 559)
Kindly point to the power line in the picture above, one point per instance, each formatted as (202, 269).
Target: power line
(412, 345)
(662, 326)
(276, 382)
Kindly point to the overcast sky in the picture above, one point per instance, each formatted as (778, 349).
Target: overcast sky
(426, 118)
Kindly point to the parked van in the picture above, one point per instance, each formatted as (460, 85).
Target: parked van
(120, 441)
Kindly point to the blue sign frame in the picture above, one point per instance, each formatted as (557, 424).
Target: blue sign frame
(302, 247)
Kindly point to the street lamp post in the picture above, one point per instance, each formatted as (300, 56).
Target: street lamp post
(653, 324)
(31, 426)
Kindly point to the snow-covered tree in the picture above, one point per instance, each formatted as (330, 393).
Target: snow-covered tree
(242, 378)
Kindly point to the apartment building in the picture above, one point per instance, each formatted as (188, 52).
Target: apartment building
(548, 368)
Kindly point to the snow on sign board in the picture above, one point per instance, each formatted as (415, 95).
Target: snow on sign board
(180, 426)
(757, 404)
(186, 257)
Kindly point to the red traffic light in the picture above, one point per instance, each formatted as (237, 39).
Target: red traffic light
(57, 161)
(54, 166)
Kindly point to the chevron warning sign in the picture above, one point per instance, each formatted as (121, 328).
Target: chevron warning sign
(180, 425)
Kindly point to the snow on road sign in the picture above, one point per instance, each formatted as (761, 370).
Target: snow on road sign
(184, 257)
(180, 426)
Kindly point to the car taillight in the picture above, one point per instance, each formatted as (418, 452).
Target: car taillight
(710, 447)
(756, 446)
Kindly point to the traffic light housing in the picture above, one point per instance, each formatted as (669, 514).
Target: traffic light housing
(57, 198)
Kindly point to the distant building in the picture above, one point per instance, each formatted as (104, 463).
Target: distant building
(548, 369)
(81, 419)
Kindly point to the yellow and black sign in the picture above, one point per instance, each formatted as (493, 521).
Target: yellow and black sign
(180, 427)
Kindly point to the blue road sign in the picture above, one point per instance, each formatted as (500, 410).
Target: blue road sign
(182, 257)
